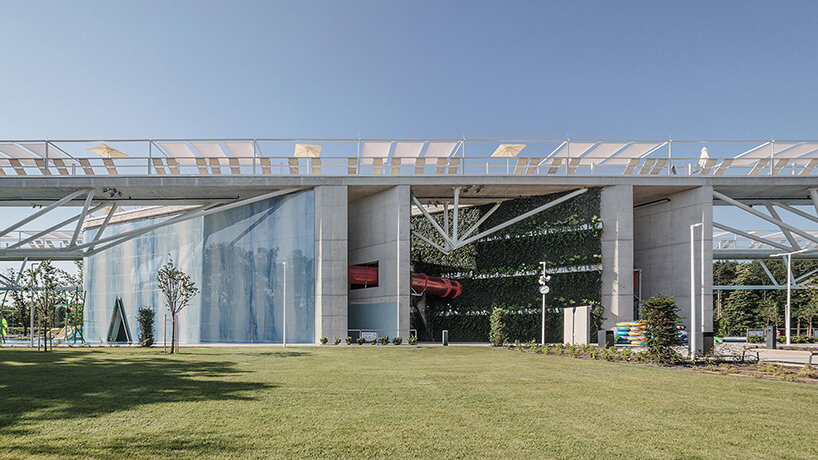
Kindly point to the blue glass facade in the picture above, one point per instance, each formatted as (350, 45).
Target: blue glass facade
(237, 258)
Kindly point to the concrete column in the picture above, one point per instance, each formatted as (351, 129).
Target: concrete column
(379, 232)
(617, 254)
(662, 251)
(331, 262)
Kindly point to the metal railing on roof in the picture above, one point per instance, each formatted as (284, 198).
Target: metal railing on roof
(205, 157)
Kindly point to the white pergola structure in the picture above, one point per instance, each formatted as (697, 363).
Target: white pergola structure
(546, 157)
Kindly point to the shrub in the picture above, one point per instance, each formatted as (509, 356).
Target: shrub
(373, 341)
(499, 327)
(808, 371)
(573, 350)
(559, 349)
(384, 340)
(145, 320)
(323, 340)
(609, 353)
(594, 353)
(337, 340)
(660, 314)
(349, 340)
(755, 339)
(413, 340)
(625, 354)
(361, 340)
(397, 340)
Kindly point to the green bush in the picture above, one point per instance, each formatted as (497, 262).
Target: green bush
(374, 341)
(349, 340)
(755, 339)
(498, 333)
(383, 340)
(609, 353)
(145, 320)
(661, 315)
(323, 340)
(413, 340)
(361, 340)
(397, 340)
(559, 349)
(337, 340)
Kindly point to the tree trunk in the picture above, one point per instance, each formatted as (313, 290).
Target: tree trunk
(798, 327)
(173, 334)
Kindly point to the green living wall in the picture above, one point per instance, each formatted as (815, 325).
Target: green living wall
(502, 269)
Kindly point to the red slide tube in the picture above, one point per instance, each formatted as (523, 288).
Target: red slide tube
(440, 287)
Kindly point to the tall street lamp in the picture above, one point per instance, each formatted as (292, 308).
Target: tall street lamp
(788, 309)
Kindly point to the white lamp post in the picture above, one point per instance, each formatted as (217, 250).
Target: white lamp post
(788, 309)
(544, 289)
(691, 336)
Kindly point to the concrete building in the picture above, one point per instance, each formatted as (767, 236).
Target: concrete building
(233, 215)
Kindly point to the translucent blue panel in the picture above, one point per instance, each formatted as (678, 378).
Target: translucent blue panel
(245, 250)
(129, 271)
(237, 260)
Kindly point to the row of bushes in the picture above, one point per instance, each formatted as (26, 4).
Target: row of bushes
(782, 339)
(586, 351)
(380, 340)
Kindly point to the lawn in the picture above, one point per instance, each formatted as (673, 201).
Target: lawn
(398, 402)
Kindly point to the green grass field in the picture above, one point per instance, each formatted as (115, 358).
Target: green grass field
(396, 402)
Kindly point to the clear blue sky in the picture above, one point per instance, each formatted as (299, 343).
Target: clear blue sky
(408, 69)
(116, 69)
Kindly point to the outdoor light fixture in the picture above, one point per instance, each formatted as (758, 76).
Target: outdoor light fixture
(788, 309)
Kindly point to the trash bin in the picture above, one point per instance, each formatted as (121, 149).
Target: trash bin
(708, 341)
(605, 338)
(445, 338)
(770, 337)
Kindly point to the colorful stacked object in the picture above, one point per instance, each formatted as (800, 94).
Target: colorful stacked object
(630, 332)
(681, 334)
(635, 333)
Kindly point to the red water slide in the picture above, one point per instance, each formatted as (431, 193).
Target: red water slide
(441, 287)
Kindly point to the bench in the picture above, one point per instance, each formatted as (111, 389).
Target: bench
(758, 351)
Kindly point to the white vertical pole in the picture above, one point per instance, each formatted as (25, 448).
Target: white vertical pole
(542, 327)
(284, 316)
(787, 313)
(692, 332)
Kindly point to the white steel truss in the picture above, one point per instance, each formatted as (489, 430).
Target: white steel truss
(802, 243)
(453, 239)
(72, 247)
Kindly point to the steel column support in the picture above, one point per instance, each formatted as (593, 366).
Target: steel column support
(81, 219)
(524, 216)
(107, 220)
(751, 236)
(760, 214)
(786, 232)
(43, 211)
(52, 228)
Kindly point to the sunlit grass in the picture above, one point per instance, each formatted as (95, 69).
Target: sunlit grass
(397, 402)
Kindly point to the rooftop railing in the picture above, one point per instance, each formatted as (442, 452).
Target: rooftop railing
(407, 157)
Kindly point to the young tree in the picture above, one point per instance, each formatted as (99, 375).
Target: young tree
(768, 310)
(178, 289)
(661, 315)
(42, 282)
(741, 311)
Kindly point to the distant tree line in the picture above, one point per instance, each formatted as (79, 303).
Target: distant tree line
(735, 311)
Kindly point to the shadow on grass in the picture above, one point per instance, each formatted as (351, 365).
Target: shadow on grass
(39, 387)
